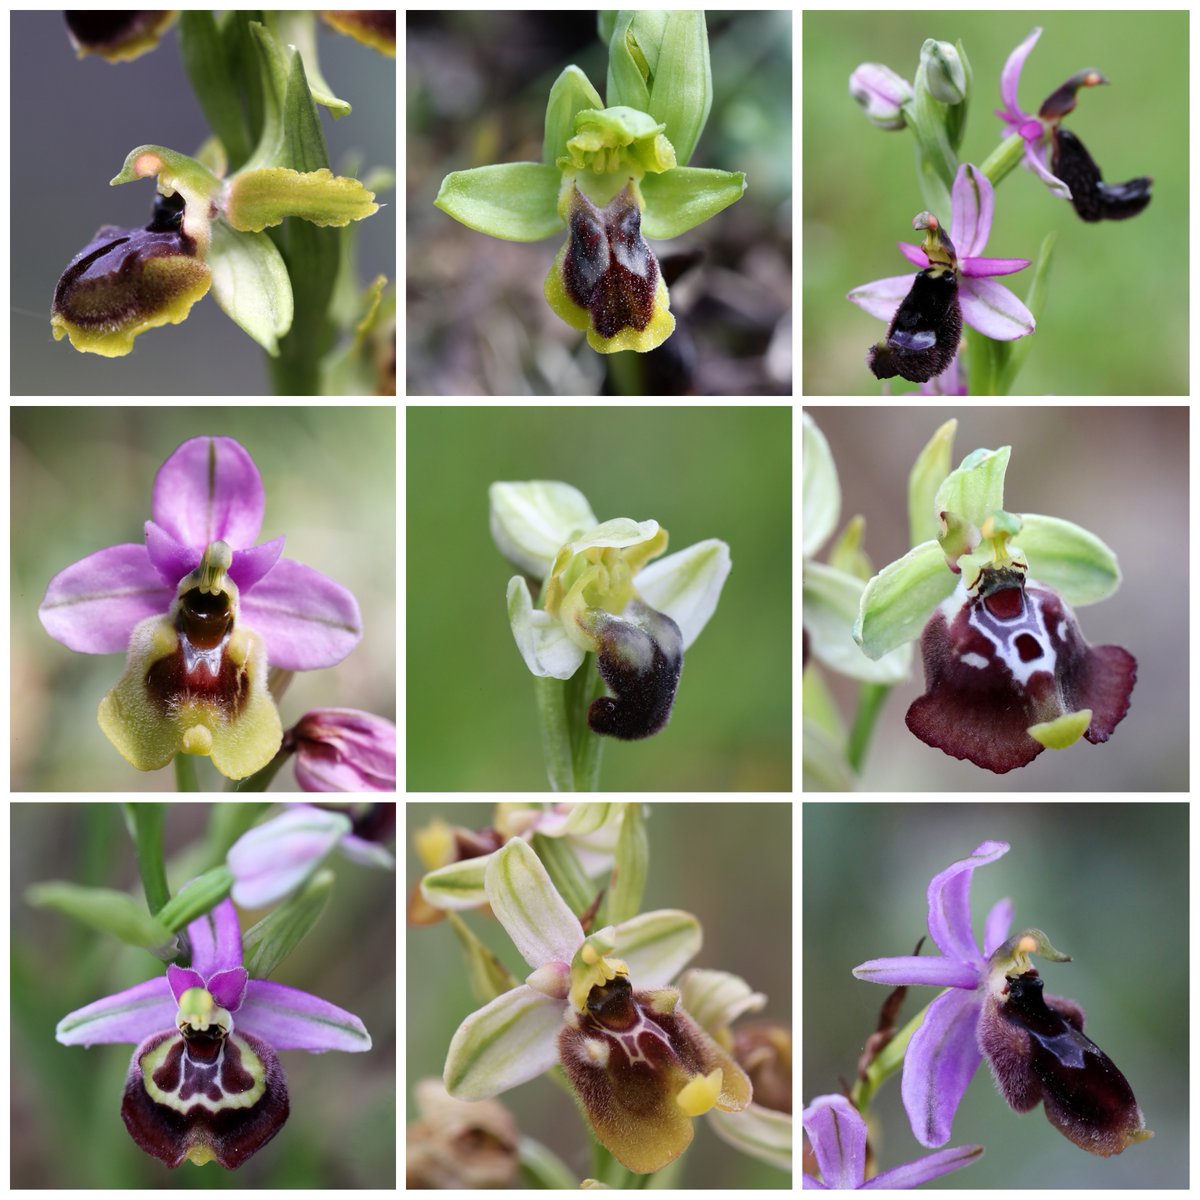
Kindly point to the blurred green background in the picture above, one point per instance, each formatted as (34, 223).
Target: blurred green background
(82, 480)
(478, 323)
(1108, 883)
(67, 1130)
(729, 864)
(699, 472)
(1116, 321)
(89, 115)
(1121, 473)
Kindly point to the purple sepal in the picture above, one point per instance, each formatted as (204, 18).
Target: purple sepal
(1007, 661)
(289, 1019)
(209, 490)
(130, 1016)
(273, 859)
(216, 940)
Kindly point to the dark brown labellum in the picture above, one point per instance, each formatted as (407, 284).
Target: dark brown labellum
(924, 334)
(609, 269)
(1091, 197)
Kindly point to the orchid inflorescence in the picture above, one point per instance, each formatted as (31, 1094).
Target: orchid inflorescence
(925, 313)
(641, 1057)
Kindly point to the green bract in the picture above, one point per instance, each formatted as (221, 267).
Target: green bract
(613, 176)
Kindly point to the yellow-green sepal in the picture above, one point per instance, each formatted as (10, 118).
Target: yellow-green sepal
(926, 477)
(681, 199)
(898, 601)
(514, 201)
(254, 200)
(1066, 557)
(976, 488)
(251, 284)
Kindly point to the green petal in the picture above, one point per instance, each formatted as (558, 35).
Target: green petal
(831, 603)
(572, 92)
(976, 489)
(896, 604)
(251, 284)
(679, 200)
(514, 201)
(759, 1132)
(1068, 558)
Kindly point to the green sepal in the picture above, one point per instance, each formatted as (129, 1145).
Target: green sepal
(630, 866)
(831, 605)
(681, 93)
(209, 70)
(251, 284)
(820, 709)
(847, 554)
(1069, 559)
(272, 76)
(514, 201)
(254, 200)
(487, 976)
(896, 604)
(571, 93)
(202, 895)
(266, 944)
(976, 489)
(925, 479)
(628, 68)
(679, 200)
(956, 118)
(822, 501)
(606, 22)
(298, 29)
(104, 909)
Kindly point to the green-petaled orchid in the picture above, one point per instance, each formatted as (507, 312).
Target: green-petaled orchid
(601, 593)
(612, 176)
(206, 231)
(1007, 669)
(640, 1066)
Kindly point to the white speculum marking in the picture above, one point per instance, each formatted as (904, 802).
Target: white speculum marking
(971, 659)
(1005, 635)
(194, 656)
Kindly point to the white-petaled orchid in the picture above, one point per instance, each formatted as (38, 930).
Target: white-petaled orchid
(640, 1067)
(764, 1128)
(205, 1083)
(601, 593)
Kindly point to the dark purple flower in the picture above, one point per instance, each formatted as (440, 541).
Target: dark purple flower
(838, 1135)
(1058, 157)
(205, 1083)
(1006, 668)
(993, 1007)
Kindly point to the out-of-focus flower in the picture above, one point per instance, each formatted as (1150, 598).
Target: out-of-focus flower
(344, 750)
(116, 36)
(373, 27)
(460, 1143)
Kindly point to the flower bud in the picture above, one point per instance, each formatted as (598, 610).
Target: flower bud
(881, 93)
(945, 75)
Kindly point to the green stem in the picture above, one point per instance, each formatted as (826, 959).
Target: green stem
(147, 820)
(870, 702)
(571, 749)
(261, 780)
(888, 1062)
(1004, 158)
(186, 779)
(551, 696)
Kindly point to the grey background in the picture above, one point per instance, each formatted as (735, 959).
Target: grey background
(78, 119)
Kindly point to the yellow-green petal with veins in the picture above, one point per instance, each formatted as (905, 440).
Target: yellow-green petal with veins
(257, 199)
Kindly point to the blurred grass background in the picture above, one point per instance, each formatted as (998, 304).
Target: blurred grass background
(90, 114)
(1116, 321)
(701, 473)
(1108, 883)
(729, 864)
(478, 323)
(1121, 473)
(82, 480)
(66, 1128)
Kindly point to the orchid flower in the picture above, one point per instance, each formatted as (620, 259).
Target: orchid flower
(640, 1066)
(203, 612)
(205, 1083)
(955, 284)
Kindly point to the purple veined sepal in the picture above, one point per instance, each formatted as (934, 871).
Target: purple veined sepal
(204, 1092)
(640, 657)
(1038, 1051)
(1091, 197)
(642, 1069)
(1007, 661)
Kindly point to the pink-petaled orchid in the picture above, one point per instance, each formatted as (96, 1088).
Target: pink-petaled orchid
(640, 1066)
(956, 283)
(203, 612)
(274, 859)
(1055, 154)
(344, 750)
(205, 1083)
(993, 1006)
